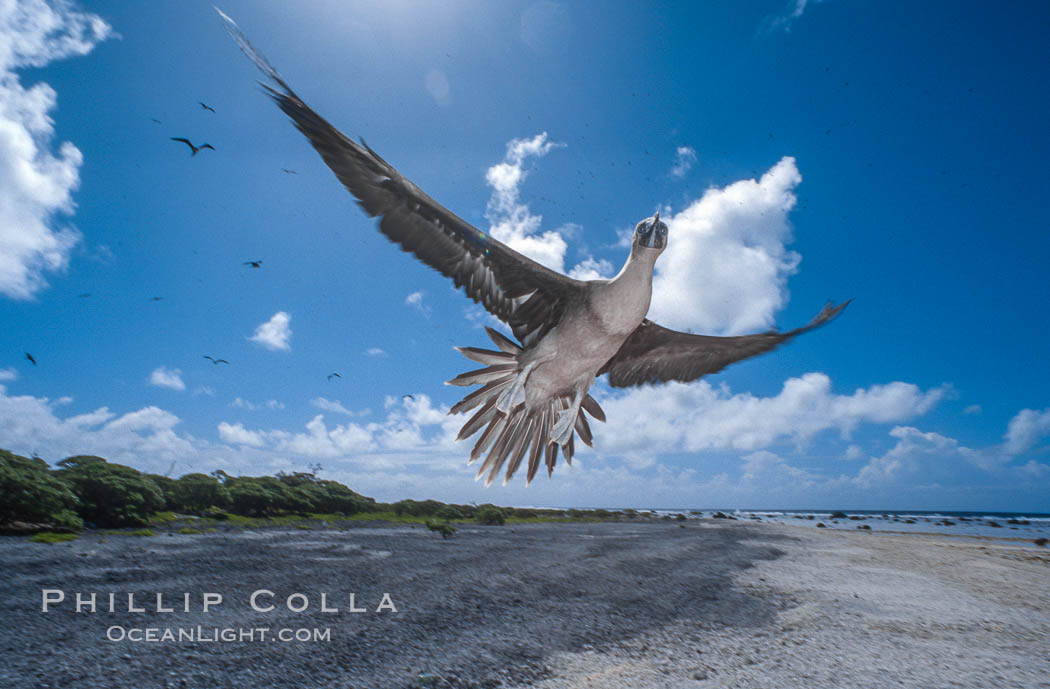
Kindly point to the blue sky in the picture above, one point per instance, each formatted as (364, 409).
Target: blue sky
(893, 153)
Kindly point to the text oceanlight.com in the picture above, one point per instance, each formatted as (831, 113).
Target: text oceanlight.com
(201, 634)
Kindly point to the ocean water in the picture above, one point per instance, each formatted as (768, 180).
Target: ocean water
(1008, 527)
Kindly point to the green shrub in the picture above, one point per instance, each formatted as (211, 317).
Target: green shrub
(190, 530)
(448, 512)
(167, 489)
(195, 493)
(110, 494)
(52, 537)
(490, 515)
(252, 497)
(444, 528)
(30, 492)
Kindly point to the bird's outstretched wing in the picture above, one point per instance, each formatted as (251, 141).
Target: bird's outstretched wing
(529, 297)
(654, 354)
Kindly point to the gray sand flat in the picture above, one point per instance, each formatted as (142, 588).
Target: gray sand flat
(863, 610)
(710, 605)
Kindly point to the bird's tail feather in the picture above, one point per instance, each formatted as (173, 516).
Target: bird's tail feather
(525, 431)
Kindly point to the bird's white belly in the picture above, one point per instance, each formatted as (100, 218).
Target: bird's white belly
(569, 357)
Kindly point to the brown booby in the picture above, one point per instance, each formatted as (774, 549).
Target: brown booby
(534, 391)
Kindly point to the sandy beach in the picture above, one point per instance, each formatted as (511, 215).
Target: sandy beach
(701, 603)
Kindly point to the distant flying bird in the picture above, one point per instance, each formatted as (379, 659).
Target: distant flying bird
(569, 332)
(206, 107)
(193, 148)
(156, 298)
(156, 121)
(84, 295)
(333, 375)
(31, 359)
(215, 361)
(288, 172)
(253, 264)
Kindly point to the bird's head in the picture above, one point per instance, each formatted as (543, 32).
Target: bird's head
(650, 234)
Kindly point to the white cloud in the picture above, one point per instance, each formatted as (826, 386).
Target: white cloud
(915, 454)
(769, 469)
(1026, 429)
(727, 265)
(696, 417)
(415, 300)
(164, 377)
(275, 333)
(375, 351)
(8, 374)
(684, 158)
(325, 404)
(438, 87)
(784, 19)
(593, 269)
(972, 409)
(35, 184)
(411, 452)
(30, 424)
(512, 222)
(236, 433)
(241, 403)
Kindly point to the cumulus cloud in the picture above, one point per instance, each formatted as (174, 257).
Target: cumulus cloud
(375, 351)
(412, 423)
(410, 451)
(164, 377)
(7, 374)
(1026, 429)
(511, 221)
(275, 333)
(236, 433)
(697, 416)
(31, 424)
(36, 184)
(727, 267)
(903, 459)
(972, 409)
(684, 158)
(592, 269)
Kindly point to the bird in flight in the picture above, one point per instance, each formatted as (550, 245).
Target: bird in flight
(215, 361)
(534, 391)
(31, 359)
(253, 264)
(206, 107)
(193, 148)
(288, 172)
(333, 375)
